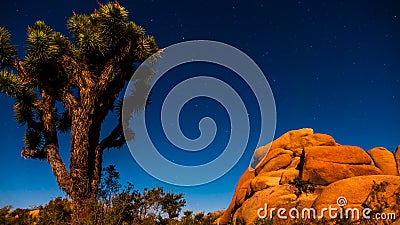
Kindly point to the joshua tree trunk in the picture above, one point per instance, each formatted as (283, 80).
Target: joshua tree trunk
(80, 170)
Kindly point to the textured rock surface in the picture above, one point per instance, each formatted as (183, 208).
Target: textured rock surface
(337, 170)
(384, 160)
(262, 182)
(278, 196)
(397, 157)
(356, 190)
(245, 178)
(277, 163)
(326, 164)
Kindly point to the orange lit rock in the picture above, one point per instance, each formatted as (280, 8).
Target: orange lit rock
(335, 170)
(384, 160)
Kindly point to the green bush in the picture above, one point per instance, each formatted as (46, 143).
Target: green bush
(115, 205)
(267, 221)
(3, 214)
(57, 212)
(302, 186)
(20, 217)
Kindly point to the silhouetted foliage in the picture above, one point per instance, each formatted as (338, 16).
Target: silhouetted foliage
(302, 186)
(266, 221)
(115, 205)
(56, 212)
(128, 205)
(3, 214)
(20, 217)
(71, 84)
(109, 185)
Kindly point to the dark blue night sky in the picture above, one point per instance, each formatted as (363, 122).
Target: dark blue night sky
(333, 66)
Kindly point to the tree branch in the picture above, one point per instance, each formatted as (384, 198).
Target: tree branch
(33, 153)
(68, 100)
(45, 110)
(50, 152)
(114, 139)
(77, 74)
(106, 78)
(19, 67)
(58, 167)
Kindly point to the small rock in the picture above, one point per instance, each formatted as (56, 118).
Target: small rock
(281, 161)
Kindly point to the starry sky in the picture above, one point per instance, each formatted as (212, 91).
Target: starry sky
(332, 66)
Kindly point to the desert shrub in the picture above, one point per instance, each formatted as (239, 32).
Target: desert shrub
(20, 217)
(129, 206)
(266, 221)
(57, 212)
(322, 221)
(396, 207)
(378, 203)
(302, 186)
(210, 218)
(189, 218)
(301, 222)
(115, 205)
(3, 214)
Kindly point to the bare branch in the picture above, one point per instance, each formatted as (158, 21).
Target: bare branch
(19, 67)
(114, 139)
(58, 167)
(76, 73)
(50, 152)
(104, 79)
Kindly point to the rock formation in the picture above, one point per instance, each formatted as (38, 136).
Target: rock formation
(335, 170)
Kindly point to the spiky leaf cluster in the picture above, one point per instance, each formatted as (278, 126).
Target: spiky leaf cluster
(10, 83)
(45, 48)
(63, 122)
(54, 66)
(106, 34)
(33, 139)
(7, 50)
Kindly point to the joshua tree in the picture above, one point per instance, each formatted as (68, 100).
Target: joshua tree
(70, 85)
